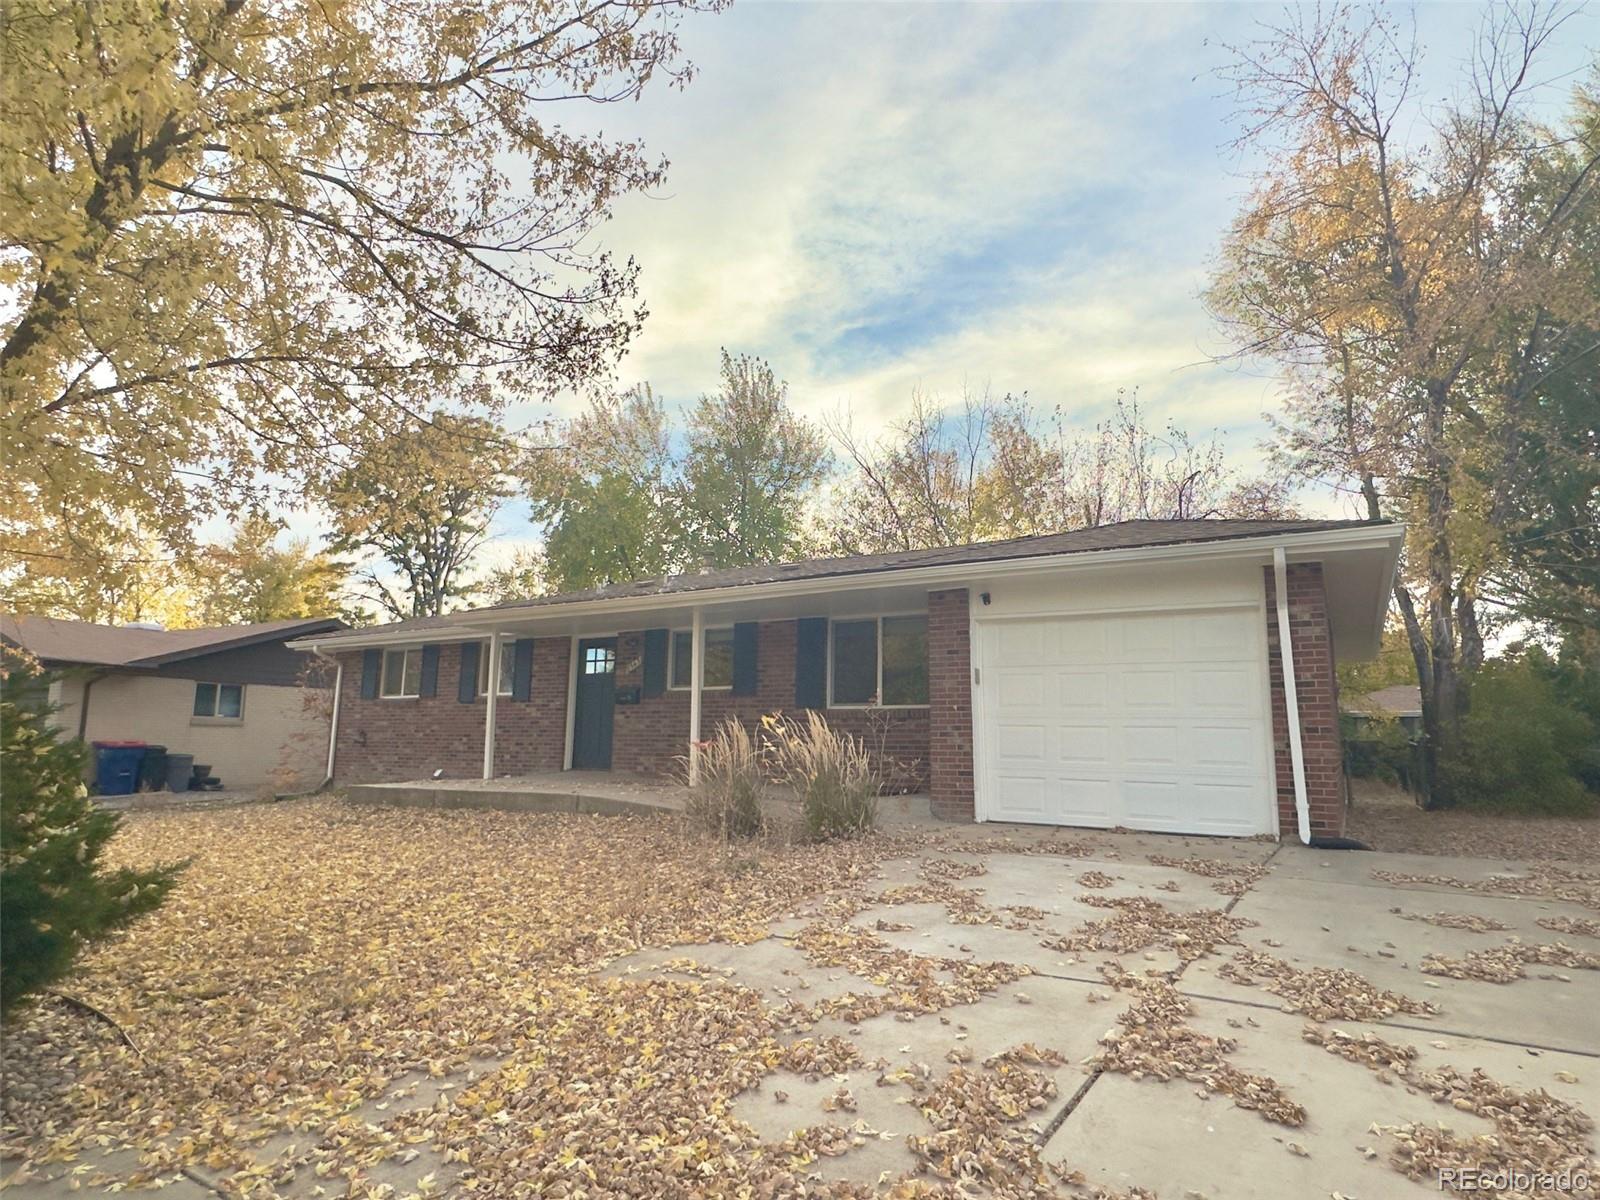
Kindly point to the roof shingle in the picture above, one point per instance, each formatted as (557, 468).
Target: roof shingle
(52, 639)
(1120, 536)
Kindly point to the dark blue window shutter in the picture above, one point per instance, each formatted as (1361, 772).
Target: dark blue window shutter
(655, 661)
(521, 669)
(744, 658)
(371, 668)
(811, 662)
(467, 683)
(430, 670)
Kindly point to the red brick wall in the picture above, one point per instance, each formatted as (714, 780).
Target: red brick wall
(1318, 701)
(650, 736)
(950, 710)
(394, 740)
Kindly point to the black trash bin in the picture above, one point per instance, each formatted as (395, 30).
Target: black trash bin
(153, 770)
(179, 769)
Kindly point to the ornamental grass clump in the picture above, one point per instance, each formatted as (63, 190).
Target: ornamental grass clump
(831, 774)
(725, 799)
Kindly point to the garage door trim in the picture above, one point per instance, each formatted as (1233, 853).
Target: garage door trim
(983, 673)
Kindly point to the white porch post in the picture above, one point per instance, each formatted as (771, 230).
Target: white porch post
(333, 725)
(697, 667)
(493, 691)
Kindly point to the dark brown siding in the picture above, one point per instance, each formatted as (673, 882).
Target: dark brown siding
(265, 662)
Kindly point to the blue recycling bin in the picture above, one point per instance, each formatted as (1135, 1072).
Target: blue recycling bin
(116, 767)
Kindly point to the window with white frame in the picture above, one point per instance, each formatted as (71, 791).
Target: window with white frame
(508, 669)
(878, 661)
(718, 668)
(402, 674)
(224, 701)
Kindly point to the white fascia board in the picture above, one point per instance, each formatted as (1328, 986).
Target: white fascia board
(474, 625)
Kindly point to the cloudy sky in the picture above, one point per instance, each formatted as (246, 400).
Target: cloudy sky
(881, 197)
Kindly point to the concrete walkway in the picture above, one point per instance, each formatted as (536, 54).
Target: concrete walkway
(1312, 909)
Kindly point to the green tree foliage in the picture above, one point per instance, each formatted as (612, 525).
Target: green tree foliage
(519, 578)
(1524, 744)
(751, 467)
(1392, 665)
(420, 500)
(604, 494)
(239, 237)
(1429, 288)
(621, 497)
(249, 578)
(55, 896)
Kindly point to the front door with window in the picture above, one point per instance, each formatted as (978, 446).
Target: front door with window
(591, 729)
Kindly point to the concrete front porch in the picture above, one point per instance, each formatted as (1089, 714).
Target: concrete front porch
(603, 793)
(606, 793)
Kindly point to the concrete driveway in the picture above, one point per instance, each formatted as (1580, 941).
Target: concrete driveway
(1025, 1011)
(1339, 932)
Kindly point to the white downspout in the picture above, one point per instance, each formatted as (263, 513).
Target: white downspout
(697, 666)
(1291, 698)
(333, 725)
(493, 694)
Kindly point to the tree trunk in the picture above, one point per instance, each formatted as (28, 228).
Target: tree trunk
(1441, 704)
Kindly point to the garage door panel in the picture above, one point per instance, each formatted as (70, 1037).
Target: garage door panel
(1082, 744)
(1084, 800)
(1151, 720)
(1226, 635)
(1021, 690)
(1217, 688)
(1147, 800)
(1021, 644)
(1147, 638)
(1085, 690)
(1223, 747)
(1230, 808)
(1025, 797)
(1152, 745)
(1080, 641)
(1019, 744)
(1147, 691)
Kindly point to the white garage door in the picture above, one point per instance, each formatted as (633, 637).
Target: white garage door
(1151, 720)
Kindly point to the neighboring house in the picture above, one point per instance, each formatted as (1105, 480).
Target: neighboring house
(1123, 675)
(1402, 702)
(233, 697)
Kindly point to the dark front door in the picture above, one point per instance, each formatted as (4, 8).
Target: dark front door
(591, 731)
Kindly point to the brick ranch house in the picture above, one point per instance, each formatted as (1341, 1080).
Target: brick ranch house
(1126, 675)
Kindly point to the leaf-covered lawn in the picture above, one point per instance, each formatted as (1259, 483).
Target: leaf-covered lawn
(1388, 819)
(314, 952)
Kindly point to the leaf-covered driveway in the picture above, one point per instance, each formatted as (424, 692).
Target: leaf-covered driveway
(368, 1001)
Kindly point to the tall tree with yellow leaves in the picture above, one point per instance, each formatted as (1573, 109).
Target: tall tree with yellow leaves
(238, 239)
(1422, 294)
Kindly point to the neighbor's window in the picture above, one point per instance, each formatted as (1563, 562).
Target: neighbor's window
(879, 660)
(224, 700)
(718, 671)
(508, 669)
(402, 674)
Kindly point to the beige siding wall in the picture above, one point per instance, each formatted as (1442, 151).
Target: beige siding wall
(279, 744)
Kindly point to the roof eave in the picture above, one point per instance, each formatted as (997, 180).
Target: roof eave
(239, 643)
(479, 623)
